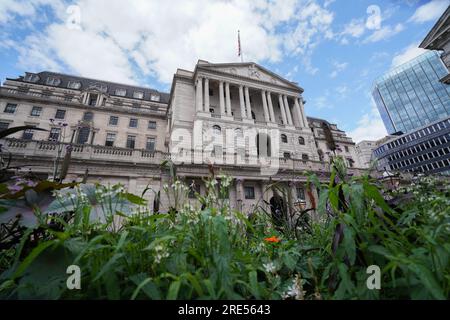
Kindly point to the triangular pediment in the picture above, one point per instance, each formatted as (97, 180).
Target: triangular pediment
(252, 71)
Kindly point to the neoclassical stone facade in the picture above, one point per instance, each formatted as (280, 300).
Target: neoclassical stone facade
(240, 118)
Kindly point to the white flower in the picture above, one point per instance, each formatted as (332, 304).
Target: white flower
(295, 290)
(270, 267)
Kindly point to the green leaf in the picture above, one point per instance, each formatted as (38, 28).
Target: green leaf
(349, 244)
(147, 285)
(30, 258)
(428, 280)
(108, 265)
(135, 199)
(174, 288)
(254, 285)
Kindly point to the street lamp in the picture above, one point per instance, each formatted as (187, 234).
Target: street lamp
(300, 204)
(62, 125)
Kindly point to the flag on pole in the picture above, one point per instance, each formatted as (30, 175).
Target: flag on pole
(239, 46)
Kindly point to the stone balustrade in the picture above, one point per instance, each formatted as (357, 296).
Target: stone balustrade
(30, 148)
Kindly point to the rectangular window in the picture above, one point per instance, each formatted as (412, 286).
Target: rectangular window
(92, 101)
(152, 124)
(131, 142)
(346, 149)
(54, 134)
(249, 192)
(36, 111)
(4, 125)
(60, 114)
(10, 108)
(150, 145)
(133, 123)
(113, 120)
(110, 138)
(121, 92)
(138, 95)
(300, 193)
(193, 189)
(28, 134)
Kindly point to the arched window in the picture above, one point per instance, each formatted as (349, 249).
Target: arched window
(301, 140)
(216, 129)
(284, 138)
(238, 132)
(305, 156)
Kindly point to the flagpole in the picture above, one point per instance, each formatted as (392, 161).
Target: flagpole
(239, 46)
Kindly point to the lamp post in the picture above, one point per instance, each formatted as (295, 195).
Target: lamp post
(61, 136)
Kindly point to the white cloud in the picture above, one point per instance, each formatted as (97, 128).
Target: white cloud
(374, 21)
(342, 91)
(338, 68)
(430, 11)
(384, 33)
(407, 54)
(322, 102)
(128, 42)
(327, 3)
(355, 28)
(10, 9)
(370, 127)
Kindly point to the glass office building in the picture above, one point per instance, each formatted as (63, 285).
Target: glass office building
(411, 96)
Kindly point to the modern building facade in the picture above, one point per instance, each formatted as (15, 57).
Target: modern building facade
(411, 95)
(425, 150)
(246, 121)
(439, 39)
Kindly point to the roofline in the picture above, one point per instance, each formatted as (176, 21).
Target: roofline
(91, 79)
(426, 40)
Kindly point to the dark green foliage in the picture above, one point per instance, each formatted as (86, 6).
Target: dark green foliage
(128, 251)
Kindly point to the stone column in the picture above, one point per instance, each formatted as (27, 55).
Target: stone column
(266, 111)
(242, 102)
(239, 194)
(221, 101)
(198, 98)
(227, 98)
(288, 111)
(272, 114)
(283, 112)
(302, 109)
(206, 108)
(249, 107)
(299, 113)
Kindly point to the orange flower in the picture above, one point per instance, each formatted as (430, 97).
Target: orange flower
(272, 239)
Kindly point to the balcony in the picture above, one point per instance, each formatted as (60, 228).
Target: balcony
(47, 149)
(32, 148)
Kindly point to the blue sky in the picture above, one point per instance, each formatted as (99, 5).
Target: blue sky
(334, 49)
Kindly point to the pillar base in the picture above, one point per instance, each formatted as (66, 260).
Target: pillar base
(203, 114)
(289, 127)
(228, 118)
(248, 121)
(271, 124)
